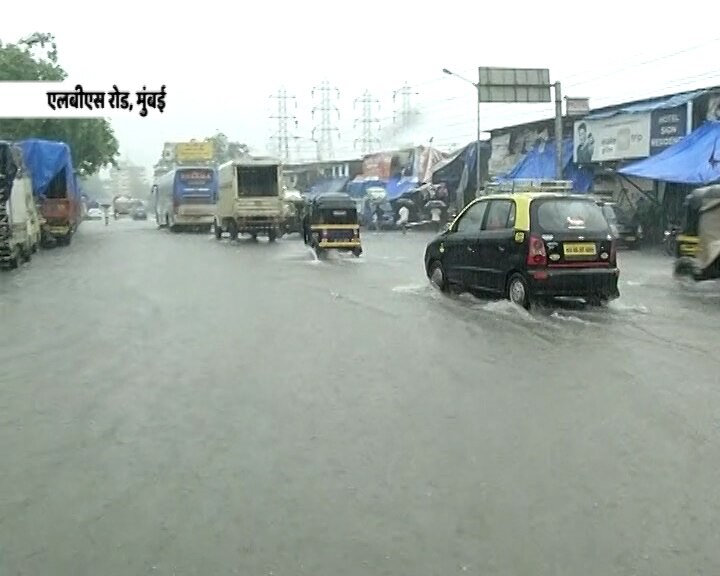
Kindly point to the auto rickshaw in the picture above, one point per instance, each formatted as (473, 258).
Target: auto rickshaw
(698, 244)
(688, 237)
(331, 223)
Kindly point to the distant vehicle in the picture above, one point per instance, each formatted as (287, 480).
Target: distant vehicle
(138, 213)
(625, 228)
(185, 198)
(249, 198)
(95, 214)
(528, 246)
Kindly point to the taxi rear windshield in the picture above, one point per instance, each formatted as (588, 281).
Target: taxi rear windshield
(569, 215)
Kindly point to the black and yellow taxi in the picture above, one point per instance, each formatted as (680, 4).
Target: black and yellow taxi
(528, 246)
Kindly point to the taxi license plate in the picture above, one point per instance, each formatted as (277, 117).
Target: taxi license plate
(580, 249)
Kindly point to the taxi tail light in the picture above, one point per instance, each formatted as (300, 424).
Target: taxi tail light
(613, 252)
(537, 256)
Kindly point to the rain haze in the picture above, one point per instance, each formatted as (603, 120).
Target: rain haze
(412, 359)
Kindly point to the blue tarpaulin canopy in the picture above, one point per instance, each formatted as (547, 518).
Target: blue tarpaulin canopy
(358, 188)
(396, 187)
(45, 159)
(539, 164)
(695, 160)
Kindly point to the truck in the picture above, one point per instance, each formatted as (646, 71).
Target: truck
(250, 198)
(55, 187)
(20, 228)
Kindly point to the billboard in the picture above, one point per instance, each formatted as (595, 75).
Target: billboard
(188, 152)
(667, 127)
(619, 137)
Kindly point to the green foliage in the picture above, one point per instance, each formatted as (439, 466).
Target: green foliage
(224, 151)
(92, 141)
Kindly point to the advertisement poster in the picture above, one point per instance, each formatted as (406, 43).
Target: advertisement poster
(620, 137)
(511, 147)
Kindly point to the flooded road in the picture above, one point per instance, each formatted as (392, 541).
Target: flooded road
(171, 405)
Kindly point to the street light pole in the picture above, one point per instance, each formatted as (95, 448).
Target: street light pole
(460, 199)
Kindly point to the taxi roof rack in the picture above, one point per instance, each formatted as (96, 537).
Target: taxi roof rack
(529, 185)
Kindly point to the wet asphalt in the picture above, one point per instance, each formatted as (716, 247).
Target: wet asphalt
(174, 405)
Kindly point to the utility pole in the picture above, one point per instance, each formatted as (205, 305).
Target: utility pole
(368, 121)
(323, 133)
(404, 116)
(282, 136)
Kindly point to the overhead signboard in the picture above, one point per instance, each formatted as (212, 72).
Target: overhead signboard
(619, 137)
(514, 85)
(193, 152)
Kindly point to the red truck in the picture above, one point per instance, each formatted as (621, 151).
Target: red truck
(55, 185)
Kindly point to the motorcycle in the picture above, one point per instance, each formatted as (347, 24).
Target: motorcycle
(670, 241)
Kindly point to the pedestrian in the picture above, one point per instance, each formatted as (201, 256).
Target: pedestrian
(404, 216)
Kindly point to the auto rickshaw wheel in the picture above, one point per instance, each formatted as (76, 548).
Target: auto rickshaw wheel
(218, 230)
(684, 267)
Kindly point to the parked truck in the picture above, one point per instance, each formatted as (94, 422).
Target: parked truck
(249, 198)
(56, 188)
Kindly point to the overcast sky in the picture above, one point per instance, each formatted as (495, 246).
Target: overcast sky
(221, 61)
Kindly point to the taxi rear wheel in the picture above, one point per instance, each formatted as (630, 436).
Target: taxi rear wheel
(437, 276)
(518, 291)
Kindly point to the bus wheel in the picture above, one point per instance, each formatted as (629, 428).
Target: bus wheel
(272, 236)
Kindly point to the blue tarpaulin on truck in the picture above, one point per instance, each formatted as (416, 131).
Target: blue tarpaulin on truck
(695, 160)
(45, 159)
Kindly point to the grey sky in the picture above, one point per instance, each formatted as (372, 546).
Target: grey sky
(222, 60)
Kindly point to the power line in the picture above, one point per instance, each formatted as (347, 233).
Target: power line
(369, 123)
(326, 129)
(283, 135)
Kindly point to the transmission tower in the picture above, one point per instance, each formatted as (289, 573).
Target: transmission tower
(282, 136)
(369, 123)
(403, 117)
(325, 129)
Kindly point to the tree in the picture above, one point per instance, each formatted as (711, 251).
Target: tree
(223, 151)
(92, 141)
